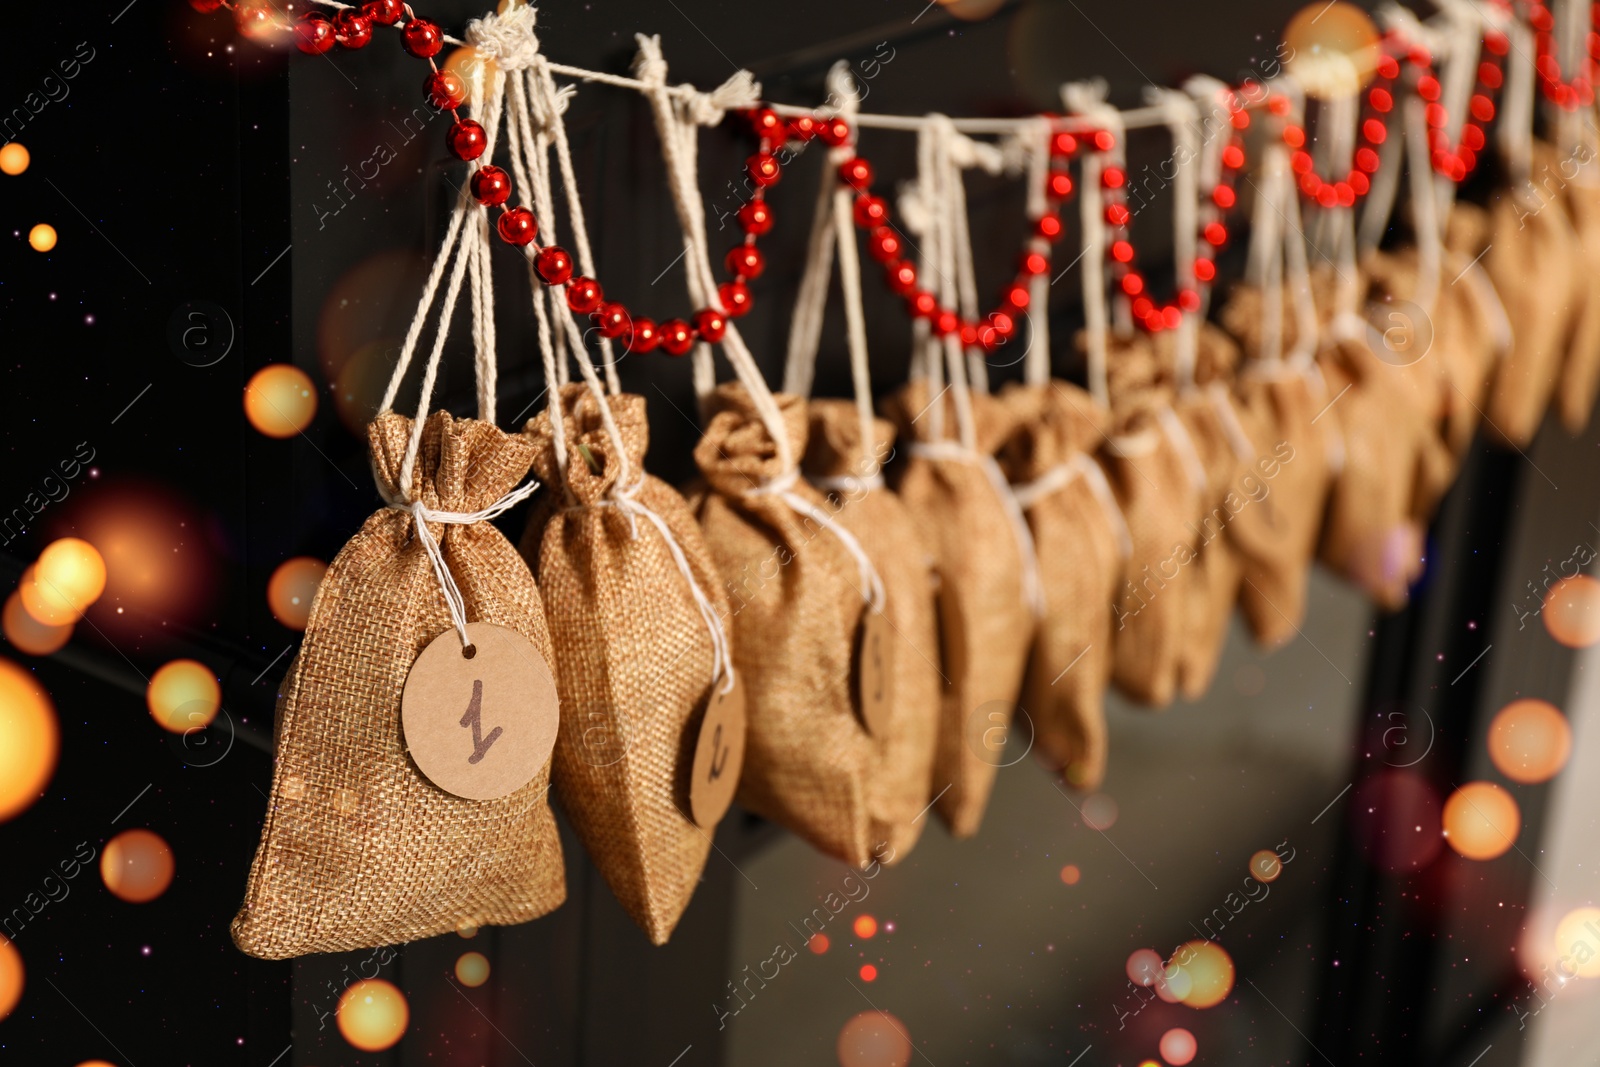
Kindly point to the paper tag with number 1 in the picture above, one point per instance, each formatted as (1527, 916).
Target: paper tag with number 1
(480, 725)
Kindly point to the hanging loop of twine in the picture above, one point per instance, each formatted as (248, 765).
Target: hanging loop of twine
(782, 487)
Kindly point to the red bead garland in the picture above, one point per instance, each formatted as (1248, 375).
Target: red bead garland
(1579, 91)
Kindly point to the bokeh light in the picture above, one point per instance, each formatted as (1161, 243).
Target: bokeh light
(1529, 741)
(1481, 820)
(1070, 874)
(27, 633)
(359, 332)
(1578, 943)
(1144, 966)
(1394, 818)
(13, 159)
(1265, 866)
(10, 976)
(865, 926)
(137, 866)
(874, 1039)
(972, 10)
(472, 969)
(1099, 812)
(29, 739)
(1572, 611)
(868, 973)
(467, 930)
(96, 1063)
(158, 557)
(1210, 972)
(280, 400)
(183, 695)
(1178, 1046)
(1333, 48)
(1174, 984)
(69, 576)
(817, 943)
(292, 588)
(373, 1014)
(42, 237)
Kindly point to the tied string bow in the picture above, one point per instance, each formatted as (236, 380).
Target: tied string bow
(782, 487)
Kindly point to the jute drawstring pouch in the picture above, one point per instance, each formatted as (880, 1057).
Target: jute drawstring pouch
(414, 729)
(1574, 173)
(1480, 333)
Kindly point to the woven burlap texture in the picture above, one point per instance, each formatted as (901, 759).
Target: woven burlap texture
(359, 849)
(899, 786)
(1472, 325)
(1580, 368)
(975, 550)
(1080, 568)
(795, 605)
(634, 657)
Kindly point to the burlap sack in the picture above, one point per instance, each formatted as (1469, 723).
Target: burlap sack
(1479, 333)
(898, 785)
(635, 670)
(795, 604)
(1080, 548)
(1534, 262)
(1369, 534)
(359, 849)
(978, 559)
(1580, 370)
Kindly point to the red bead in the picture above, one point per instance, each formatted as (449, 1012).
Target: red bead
(1063, 144)
(1381, 100)
(1388, 67)
(1104, 141)
(1233, 157)
(1132, 284)
(491, 186)
(1489, 75)
(1113, 178)
(1310, 184)
(1540, 18)
(1204, 270)
(253, 17)
(1188, 300)
(1240, 119)
(1224, 197)
(766, 123)
(1471, 137)
(641, 336)
(946, 322)
(553, 265)
(518, 227)
(352, 28)
(1016, 295)
(421, 38)
(735, 298)
(922, 304)
(676, 337)
(445, 90)
(1003, 323)
(1300, 162)
(386, 12)
(467, 140)
(1294, 136)
(1048, 226)
(968, 334)
(1122, 251)
(1142, 307)
(1482, 107)
(710, 324)
(989, 338)
(902, 276)
(1344, 193)
(1437, 116)
(1171, 318)
(1499, 44)
(871, 211)
(1374, 131)
(802, 128)
(1058, 185)
(883, 244)
(1359, 183)
(584, 295)
(1367, 160)
(1328, 196)
(205, 7)
(1033, 263)
(834, 132)
(745, 261)
(1117, 214)
(763, 169)
(313, 34)
(611, 318)
(856, 172)
(755, 217)
(1428, 87)
(1216, 234)
(1278, 105)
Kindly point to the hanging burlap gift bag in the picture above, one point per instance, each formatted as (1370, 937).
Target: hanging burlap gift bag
(361, 847)
(1574, 172)
(632, 597)
(1481, 323)
(845, 453)
(799, 584)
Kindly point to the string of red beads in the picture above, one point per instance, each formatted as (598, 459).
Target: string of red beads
(1459, 161)
(1374, 131)
(1579, 91)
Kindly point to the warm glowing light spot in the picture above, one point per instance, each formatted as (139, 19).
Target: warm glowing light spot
(869, 973)
(1394, 818)
(183, 696)
(10, 976)
(1070, 874)
(1265, 866)
(1178, 1046)
(27, 633)
(1572, 611)
(865, 926)
(1529, 741)
(137, 866)
(13, 159)
(1481, 820)
(69, 576)
(472, 969)
(818, 944)
(1578, 944)
(1332, 48)
(29, 739)
(373, 1014)
(467, 930)
(874, 1039)
(1099, 812)
(42, 237)
(280, 400)
(292, 588)
(1144, 966)
(1210, 972)
(1173, 984)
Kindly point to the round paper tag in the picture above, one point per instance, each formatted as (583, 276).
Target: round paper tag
(875, 671)
(480, 726)
(952, 634)
(718, 755)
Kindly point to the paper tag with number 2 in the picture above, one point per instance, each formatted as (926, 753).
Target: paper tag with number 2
(480, 726)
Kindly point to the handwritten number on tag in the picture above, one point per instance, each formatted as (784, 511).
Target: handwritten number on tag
(878, 671)
(474, 719)
(722, 755)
